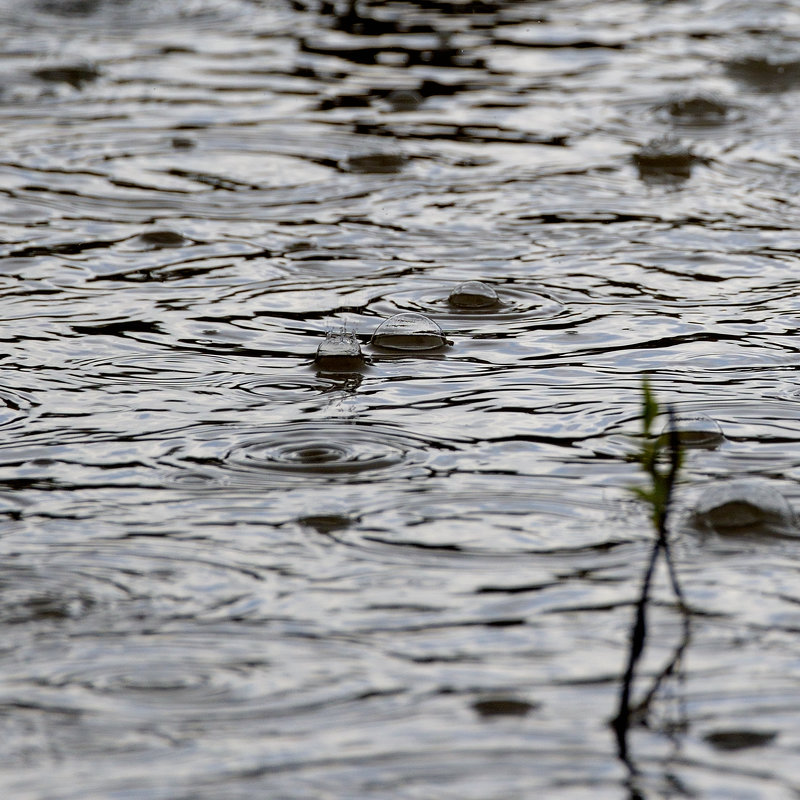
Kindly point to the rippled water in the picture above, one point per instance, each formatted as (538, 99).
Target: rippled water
(228, 573)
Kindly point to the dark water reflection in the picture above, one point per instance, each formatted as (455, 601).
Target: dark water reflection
(229, 573)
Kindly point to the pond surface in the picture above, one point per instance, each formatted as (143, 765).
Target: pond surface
(227, 572)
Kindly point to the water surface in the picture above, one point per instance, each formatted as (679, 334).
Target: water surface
(227, 572)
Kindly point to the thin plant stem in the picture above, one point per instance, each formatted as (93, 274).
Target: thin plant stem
(659, 497)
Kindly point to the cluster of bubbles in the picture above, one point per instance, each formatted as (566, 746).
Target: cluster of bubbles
(409, 331)
(729, 508)
(667, 157)
(734, 507)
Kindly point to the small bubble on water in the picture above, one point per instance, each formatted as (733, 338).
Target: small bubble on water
(339, 352)
(376, 163)
(502, 707)
(696, 429)
(157, 239)
(183, 143)
(698, 109)
(75, 75)
(665, 156)
(473, 294)
(739, 739)
(325, 523)
(404, 100)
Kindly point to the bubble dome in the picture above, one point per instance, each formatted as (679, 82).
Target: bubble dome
(409, 331)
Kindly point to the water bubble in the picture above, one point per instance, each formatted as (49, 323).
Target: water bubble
(739, 739)
(473, 294)
(665, 156)
(745, 506)
(409, 331)
(81, 8)
(773, 72)
(516, 302)
(696, 429)
(158, 239)
(325, 523)
(502, 707)
(376, 163)
(340, 352)
(698, 109)
(183, 143)
(404, 100)
(76, 75)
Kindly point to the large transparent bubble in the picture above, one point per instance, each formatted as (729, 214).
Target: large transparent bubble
(409, 331)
